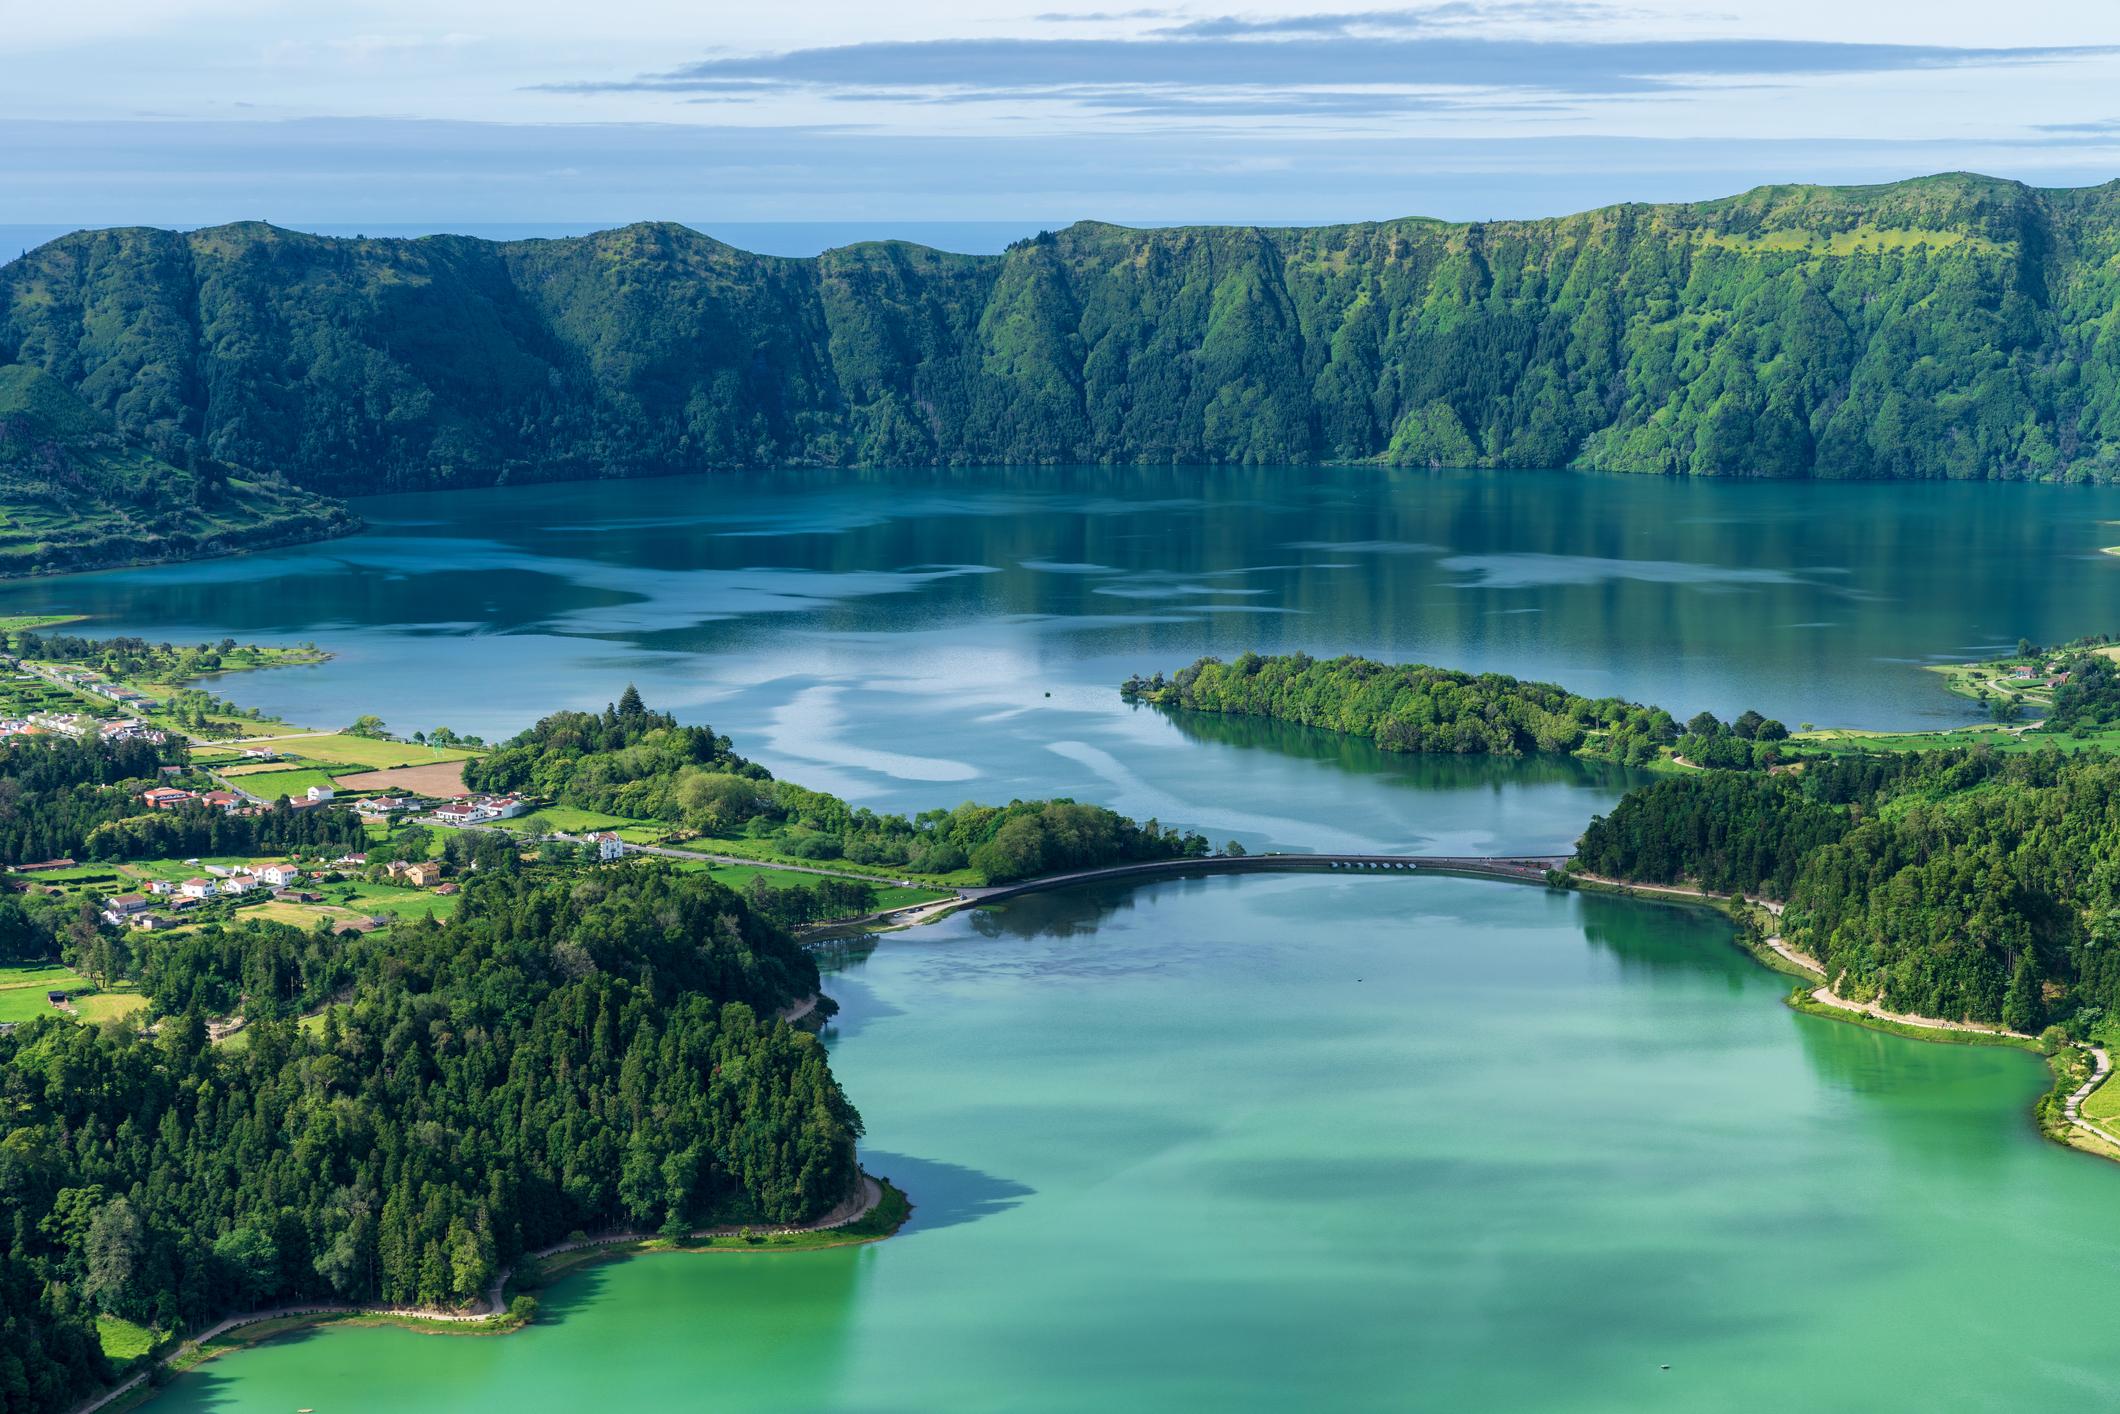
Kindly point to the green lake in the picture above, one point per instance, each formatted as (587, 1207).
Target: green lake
(1265, 1142)
(1280, 1142)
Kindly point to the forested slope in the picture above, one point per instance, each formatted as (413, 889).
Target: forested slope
(1955, 326)
(1964, 884)
(580, 1052)
(76, 493)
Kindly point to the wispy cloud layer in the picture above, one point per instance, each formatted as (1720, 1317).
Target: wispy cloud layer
(1269, 110)
(1329, 53)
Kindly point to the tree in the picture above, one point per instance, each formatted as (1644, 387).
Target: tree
(716, 802)
(2024, 1005)
(367, 725)
(251, 1261)
(116, 1238)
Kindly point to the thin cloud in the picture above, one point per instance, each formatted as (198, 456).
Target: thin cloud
(1065, 17)
(2096, 126)
(1453, 14)
(947, 70)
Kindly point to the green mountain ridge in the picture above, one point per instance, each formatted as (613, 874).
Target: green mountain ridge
(1955, 326)
(75, 493)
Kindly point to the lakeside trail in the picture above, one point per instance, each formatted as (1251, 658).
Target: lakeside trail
(1826, 996)
(855, 1207)
(2072, 1107)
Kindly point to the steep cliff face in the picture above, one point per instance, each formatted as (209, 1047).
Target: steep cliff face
(1956, 326)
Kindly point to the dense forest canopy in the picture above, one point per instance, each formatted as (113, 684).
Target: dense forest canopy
(571, 1052)
(631, 760)
(1415, 708)
(1954, 326)
(1966, 883)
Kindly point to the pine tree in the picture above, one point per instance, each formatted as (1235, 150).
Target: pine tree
(2024, 1005)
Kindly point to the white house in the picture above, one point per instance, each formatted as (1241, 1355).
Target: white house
(239, 883)
(321, 793)
(123, 907)
(609, 846)
(280, 875)
(197, 888)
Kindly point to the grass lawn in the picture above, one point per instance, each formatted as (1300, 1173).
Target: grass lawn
(23, 1004)
(77, 874)
(41, 975)
(273, 784)
(768, 852)
(736, 876)
(105, 1006)
(2103, 1103)
(242, 769)
(175, 870)
(122, 1340)
(364, 752)
(567, 818)
(9, 623)
(22, 992)
(384, 900)
(1840, 740)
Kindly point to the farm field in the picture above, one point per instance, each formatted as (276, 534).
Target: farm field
(360, 750)
(1999, 738)
(270, 784)
(26, 1003)
(438, 778)
(41, 976)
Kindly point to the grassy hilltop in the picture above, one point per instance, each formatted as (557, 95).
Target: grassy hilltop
(1954, 326)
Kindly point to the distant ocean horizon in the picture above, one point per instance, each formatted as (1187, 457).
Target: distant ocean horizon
(793, 238)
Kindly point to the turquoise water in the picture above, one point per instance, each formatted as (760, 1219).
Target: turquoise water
(1278, 1142)
(1261, 1142)
(915, 638)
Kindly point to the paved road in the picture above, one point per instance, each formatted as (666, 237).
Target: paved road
(1526, 868)
(2072, 1108)
(1521, 868)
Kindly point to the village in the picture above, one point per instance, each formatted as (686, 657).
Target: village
(163, 900)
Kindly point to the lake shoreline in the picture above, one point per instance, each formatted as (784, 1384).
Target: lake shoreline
(2053, 1111)
(880, 1209)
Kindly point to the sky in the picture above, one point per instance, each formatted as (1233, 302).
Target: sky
(489, 116)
